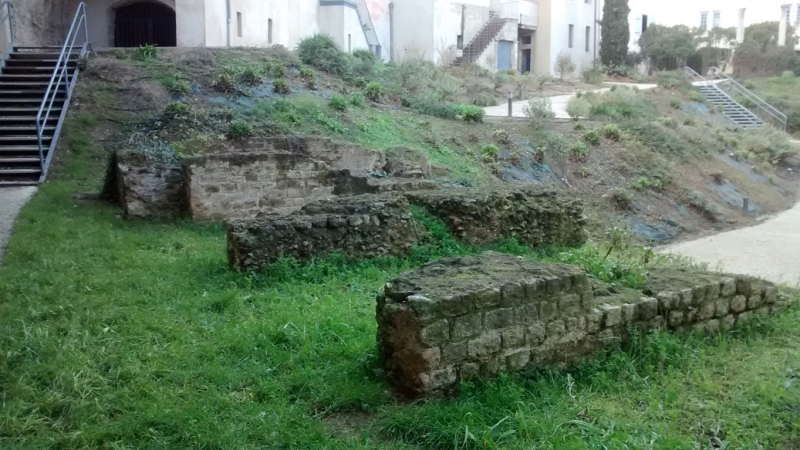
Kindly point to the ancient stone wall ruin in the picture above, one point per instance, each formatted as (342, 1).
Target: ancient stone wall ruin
(459, 317)
(365, 226)
(275, 175)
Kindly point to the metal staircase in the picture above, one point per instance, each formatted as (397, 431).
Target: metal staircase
(473, 51)
(720, 91)
(36, 84)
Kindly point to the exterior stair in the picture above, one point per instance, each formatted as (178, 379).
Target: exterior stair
(720, 91)
(731, 108)
(473, 51)
(24, 79)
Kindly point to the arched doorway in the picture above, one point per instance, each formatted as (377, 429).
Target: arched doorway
(145, 23)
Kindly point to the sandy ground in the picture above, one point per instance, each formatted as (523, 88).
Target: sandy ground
(11, 201)
(770, 250)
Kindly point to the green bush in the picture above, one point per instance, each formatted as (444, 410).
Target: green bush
(470, 113)
(696, 96)
(239, 129)
(485, 99)
(593, 76)
(501, 136)
(321, 51)
(431, 107)
(644, 183)
(373, 91)
(306, 73)
(675, 102)
(621, 103)
(356, 99)
(622, 198)
(363, 62)
(592, 137)
(276, 70)
(689, 122)
(668, 122)
(674, 79)
(250, 76)
(612, 131)
(280, 86)
(767, 143)
(223, 82)
(147, 51)
(578, 151)
(338, 103)
(578, 107)
(360, 82)
(539, 108)
(175, 85)
(177, 109)
(490, 151)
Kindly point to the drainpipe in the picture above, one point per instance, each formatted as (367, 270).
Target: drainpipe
(391, 31)
(594, 29)
(228, 7)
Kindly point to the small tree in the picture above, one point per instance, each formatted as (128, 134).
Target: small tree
(564, 66)
(615, 33)
(668, 48)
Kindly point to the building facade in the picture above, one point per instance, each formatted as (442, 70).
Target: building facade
(527, 35)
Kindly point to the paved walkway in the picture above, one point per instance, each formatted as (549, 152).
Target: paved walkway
(770, 250)
(11, 201)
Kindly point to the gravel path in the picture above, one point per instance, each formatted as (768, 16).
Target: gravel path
(11, 201)
(770, 250)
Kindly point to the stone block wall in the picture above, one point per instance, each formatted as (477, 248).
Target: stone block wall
(360, 226)
(528, 213)
(533, 216)
(460, 317)
(146, 186)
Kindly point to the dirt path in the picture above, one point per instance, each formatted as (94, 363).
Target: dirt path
(770, 250)
(11, 201)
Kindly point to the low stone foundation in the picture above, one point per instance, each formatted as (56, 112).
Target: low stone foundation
(361, 226)
(460, 317)
(365, 226)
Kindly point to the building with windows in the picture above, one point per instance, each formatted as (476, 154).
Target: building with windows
(527, 35)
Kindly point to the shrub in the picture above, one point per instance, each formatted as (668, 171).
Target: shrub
(501, 136)
(668, 122)
(485, 99)
(321, 51)
(176, 86)
(689, 122)
(592, 137)
(514, 159)
(490, 151)
(147, 51)
(356, 99)
(250, 76)
(223, 82)
(360, 82)
(500, 79)
(622, 198)
(276, 70)
(675, 103)
(373, 91)
(612, 131)
(578, 151)
(177, 109)
(338, 103)
(470, 113)
(621, 103)
(539, 108)
(674, 79)
(644, 183)
(280, 86)
(430, 107)
(239, 129)
(306, 73)
(593, 76)
(767, 143)
(564, 66)
(578, 107)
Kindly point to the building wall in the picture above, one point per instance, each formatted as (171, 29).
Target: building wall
(413, 29)
(540, 64)
(188, 14)
(448, 19)
(581, 15)
(342, 23)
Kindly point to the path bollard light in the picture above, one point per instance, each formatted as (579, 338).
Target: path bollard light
(746, 205)
(520, 92)
(510, 103)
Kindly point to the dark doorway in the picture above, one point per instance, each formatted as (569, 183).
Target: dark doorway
(525, 64)
(145, 23)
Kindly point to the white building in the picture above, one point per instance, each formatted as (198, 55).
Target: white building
(527, 35)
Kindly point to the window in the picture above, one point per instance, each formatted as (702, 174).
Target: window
(239, 24)
(588, 37)
(269, 31)
(526, 40)
(717, 15)
(460, 42)
(571, 32)
(644, 23)
(704, 20)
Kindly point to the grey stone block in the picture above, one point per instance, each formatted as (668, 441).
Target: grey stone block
(647, 308)
(484, 345)
(535, 334)
(499, 318)
(436, 334)
(453, 353)
(513, 337)
(466, 326)
(727, 287)
(612, 315)
(675, 318)
(738, 303)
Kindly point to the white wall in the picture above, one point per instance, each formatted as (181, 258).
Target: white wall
(342, 23)
(379, 12)
(189, 16)
(413, 29)
(580, 15)
(447, 24)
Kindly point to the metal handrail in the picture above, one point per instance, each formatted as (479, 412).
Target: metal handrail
(10, 16)
(362, 10)
(694, 75)
(748, 94)
(60, 74)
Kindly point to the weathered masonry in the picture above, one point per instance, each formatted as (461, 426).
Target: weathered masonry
(459, 317)
(365, 226)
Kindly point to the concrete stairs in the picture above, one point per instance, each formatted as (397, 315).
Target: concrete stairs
(731, 108)
(473, 51)
(24, 78)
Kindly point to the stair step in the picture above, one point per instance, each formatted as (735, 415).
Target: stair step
(20, 171)
(8, 129)
(27, 77)
(23, 140)
(14, 94)
(18, 160)
(43, 55)
(37, 63)
(25, 120)
(9, 150)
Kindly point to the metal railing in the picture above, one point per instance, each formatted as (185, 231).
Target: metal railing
(761, 104)
(369, 28)
(8, 17)
(62, 74)
(692, 74)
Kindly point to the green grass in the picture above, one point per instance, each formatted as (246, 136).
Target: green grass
(118, 334)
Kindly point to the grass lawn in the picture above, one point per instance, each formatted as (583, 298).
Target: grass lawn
(117, 334)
